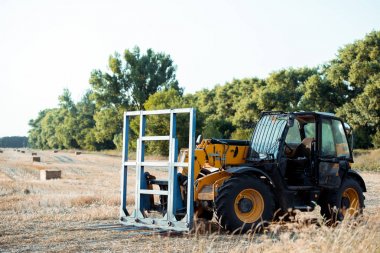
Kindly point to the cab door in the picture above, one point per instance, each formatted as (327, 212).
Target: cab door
(334, 155)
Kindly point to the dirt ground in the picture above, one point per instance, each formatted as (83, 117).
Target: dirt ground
(60, 215)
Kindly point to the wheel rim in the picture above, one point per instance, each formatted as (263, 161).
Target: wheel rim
(249, 205)
(350, 201)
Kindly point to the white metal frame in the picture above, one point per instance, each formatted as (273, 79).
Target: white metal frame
(169, 221)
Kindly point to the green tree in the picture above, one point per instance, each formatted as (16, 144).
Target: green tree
(363, 113)
(49, 123)
(217, 128)
(229, 110)
(108, 124)
(246, 111)
(35, 137)
(355, 73)
(133, 79)
(66, 132)
(319, 95)
(355, 64)
(84, 134)
(160, 124)
(127, 86)
(347, 85)
(282, 90)
(61, 127)
(148, 74)
(13, 142)
(66, 102)
(113, 88)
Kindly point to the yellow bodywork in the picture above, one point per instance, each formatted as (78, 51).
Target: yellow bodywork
(209, 164)
(205, 187)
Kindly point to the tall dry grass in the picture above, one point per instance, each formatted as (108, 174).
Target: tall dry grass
(367, 160)
(350, 236)
(54, 215)
(360, 235)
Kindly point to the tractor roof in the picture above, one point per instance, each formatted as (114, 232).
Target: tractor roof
(329, 114)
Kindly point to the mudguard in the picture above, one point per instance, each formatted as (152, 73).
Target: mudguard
(355, 175)
(247, 169)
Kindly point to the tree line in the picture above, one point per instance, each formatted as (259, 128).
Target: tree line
(348, 85)
(14, 142)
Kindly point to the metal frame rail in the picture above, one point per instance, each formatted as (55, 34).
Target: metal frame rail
(169, 221)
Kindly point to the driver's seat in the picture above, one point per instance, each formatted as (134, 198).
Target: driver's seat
(304, 149)
(299, 165)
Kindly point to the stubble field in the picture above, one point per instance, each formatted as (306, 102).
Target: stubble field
(60, 215)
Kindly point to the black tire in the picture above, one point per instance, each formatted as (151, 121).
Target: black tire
(244, 202)
(335, 204)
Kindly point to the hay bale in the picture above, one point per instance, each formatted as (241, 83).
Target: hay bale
(55, 151)
(78, 152)
(1, 151)
(49, 174)
(23, 151)
(36, 159)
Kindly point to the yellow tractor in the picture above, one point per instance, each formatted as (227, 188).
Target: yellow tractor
(292, 161)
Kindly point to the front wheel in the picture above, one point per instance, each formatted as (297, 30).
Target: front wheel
(348, 200)
(244, 202)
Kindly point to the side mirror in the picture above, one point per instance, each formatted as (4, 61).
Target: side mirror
(199, 139)
(350, 135)
(347, 128)
(290, 121)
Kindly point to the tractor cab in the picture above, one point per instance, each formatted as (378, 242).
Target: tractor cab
(309, 147)
(316, 145)
(305, 155)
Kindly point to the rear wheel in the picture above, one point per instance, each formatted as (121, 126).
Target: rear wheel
(348, 200)
(244, 202)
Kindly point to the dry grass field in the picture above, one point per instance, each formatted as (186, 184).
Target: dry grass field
(58, 215)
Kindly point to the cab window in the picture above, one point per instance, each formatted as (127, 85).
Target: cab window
(309, 130)
(341, 144)
(294, 135)
(328, 144)
(334, 141)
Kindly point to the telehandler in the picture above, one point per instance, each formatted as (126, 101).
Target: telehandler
(292, 161)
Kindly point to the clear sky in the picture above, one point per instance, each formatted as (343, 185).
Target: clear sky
(46, 46)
